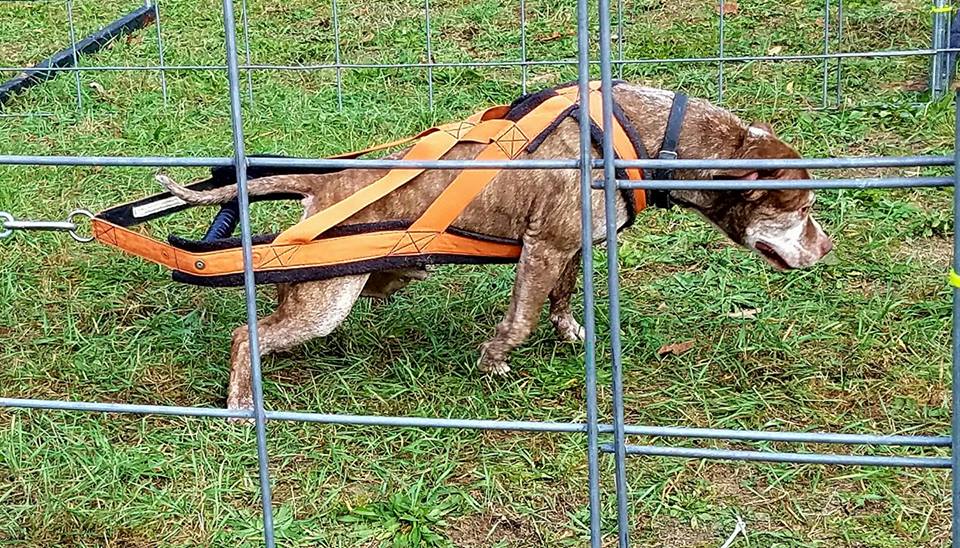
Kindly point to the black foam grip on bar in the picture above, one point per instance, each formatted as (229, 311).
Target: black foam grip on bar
(224, 223)
(41, 72)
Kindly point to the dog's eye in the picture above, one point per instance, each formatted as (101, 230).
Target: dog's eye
(805, 210)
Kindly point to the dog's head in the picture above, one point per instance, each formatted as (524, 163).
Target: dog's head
(777, 224)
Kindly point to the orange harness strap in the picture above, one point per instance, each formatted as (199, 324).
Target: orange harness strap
(457, 128)
(306, 246)
(509, 143)
(623, 147)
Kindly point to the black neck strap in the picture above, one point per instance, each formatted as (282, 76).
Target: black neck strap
(668, 150)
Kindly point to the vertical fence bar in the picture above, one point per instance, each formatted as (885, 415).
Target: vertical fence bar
(73, 50)
(589, 306)
(246, 48)
(249, 283)
(955, 339)
(163, 73)
(610, 213)
(938, 75)
(523, 46)
(721, 51)
(335, 13)
(840, 49)
(619, 38)
(826, 49)
(935, 43)
(426, 17)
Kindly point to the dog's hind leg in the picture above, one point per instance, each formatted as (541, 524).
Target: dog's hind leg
(306, 311)
(540, 267)
(561, 315)
(282, 290)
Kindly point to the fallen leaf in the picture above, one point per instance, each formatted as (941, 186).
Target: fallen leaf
(916, 85)
(745, 314)
(95, 86)
(134, 39)
(790, 87)
(550, 37)
(676, 348)
(728, 7)
(775, 50)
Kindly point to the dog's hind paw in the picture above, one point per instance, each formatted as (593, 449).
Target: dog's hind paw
(568, 328)
(240, 403)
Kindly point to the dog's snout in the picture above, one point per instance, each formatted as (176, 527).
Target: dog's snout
(826, 246)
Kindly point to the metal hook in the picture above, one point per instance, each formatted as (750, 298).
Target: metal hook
(9, 223)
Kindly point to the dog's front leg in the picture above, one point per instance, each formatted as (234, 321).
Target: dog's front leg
(540, 266)
(561, 315)
(307, 310)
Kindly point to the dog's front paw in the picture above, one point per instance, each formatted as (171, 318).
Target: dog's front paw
(568, 328)
(494, 368)
(492, 362)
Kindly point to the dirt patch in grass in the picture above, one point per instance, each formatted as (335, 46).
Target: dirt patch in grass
(490, 529)
(673, 533)
(928, 252)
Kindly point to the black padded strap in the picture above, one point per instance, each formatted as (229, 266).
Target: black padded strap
(671, 137)
(668, 149)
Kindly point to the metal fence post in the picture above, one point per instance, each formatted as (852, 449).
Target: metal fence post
(249, 283)
(613, 283)
(955, 339)
(939, 69)
(589, 304)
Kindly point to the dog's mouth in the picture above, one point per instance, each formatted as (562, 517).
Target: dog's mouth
(770, 254)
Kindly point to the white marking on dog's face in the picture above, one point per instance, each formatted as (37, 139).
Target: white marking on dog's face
(789, 239)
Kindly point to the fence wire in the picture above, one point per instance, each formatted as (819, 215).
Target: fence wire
(608, 59)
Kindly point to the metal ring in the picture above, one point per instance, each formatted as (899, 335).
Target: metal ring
(7, 218)
(73, 231)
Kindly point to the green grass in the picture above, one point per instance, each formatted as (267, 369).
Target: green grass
(860, 345)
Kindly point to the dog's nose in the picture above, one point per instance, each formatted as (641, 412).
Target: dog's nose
(826, 246)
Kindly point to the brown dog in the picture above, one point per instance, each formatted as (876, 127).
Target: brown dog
(541, 209)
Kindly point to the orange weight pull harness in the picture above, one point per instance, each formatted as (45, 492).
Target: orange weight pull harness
(321, 247)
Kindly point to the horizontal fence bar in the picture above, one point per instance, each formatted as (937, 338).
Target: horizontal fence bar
(427, 422)
(136, 409)
(793, 458)
(559, 163)
(791, 163)
(508, 63)
(115, 161)
(786, 437)
(785, 184)
(481, 424)
(342, 163)
(880, 54)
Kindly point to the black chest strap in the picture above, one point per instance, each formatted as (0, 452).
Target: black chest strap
(668, 150)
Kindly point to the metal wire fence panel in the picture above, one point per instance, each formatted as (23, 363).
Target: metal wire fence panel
(438, 67)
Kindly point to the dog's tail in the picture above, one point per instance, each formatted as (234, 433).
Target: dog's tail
(293, 184)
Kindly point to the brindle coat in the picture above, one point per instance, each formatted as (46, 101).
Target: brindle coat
(541, 208)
